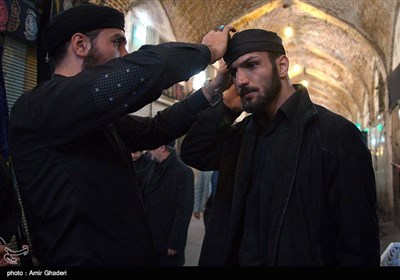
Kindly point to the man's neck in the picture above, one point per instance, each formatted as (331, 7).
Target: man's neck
(286, 91)
(69, 66)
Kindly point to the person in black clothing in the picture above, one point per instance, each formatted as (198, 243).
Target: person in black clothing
(10, 210)
(296, 186)
(70, 136)
(141, 161)
(168, 196)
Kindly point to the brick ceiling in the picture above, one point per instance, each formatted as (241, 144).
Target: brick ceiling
(337, 43)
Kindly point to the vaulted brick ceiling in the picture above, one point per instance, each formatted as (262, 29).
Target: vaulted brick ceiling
(337, 43)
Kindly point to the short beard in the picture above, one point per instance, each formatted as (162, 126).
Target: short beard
(92, 59)
(271, 91)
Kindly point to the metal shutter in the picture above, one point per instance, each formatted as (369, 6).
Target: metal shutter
(19, 67)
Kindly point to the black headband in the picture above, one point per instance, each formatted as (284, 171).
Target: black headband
(252, 40)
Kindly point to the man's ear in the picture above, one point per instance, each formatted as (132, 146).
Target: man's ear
(282, 63)
(80, 44)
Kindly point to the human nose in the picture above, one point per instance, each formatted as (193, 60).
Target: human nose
(241, 78)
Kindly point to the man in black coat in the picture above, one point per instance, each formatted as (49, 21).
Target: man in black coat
(168, 195)
(296, 185)
(70, 137)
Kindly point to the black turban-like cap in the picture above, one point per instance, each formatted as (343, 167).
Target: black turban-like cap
(252, 40)
(82, 18)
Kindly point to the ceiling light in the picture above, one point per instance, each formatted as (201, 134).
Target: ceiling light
(288, 31)
(304, 83)
(296, 68)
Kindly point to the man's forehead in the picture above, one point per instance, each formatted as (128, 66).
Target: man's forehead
(114, 32)
(246, 57)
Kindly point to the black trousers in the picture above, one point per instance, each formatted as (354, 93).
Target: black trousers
(175, 260)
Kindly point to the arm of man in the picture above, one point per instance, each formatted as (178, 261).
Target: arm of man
(203, 144)
(81, 103)
(146, 133)
(173, 122)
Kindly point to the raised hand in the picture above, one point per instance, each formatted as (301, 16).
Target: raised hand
(217, 41)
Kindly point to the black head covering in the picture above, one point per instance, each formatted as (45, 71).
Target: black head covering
(82, 18)
(252, 40)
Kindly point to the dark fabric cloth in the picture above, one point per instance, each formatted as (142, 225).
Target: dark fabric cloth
(141, 166)
(171, 261)
(69, 140)
(9, 206)
(81, 18)
(322, 209)
(214, 181)
(208, 210)
(210, 200)
(171, 144)
(271, 141)
(252, 40)
(168, 199)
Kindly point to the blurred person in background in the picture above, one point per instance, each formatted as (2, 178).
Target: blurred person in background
(168, 191)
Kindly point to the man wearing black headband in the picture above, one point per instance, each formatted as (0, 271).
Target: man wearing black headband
(70, 137)
(296, 185)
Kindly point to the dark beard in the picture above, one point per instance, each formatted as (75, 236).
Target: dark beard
(92, 59)
(272, 89)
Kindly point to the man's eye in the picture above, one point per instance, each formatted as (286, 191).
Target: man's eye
(116, 43)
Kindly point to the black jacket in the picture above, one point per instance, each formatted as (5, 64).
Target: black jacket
(328, 195)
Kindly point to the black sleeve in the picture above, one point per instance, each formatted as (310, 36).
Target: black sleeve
(174, 62)
(147, 133)
(68, 107)
(203, 145)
